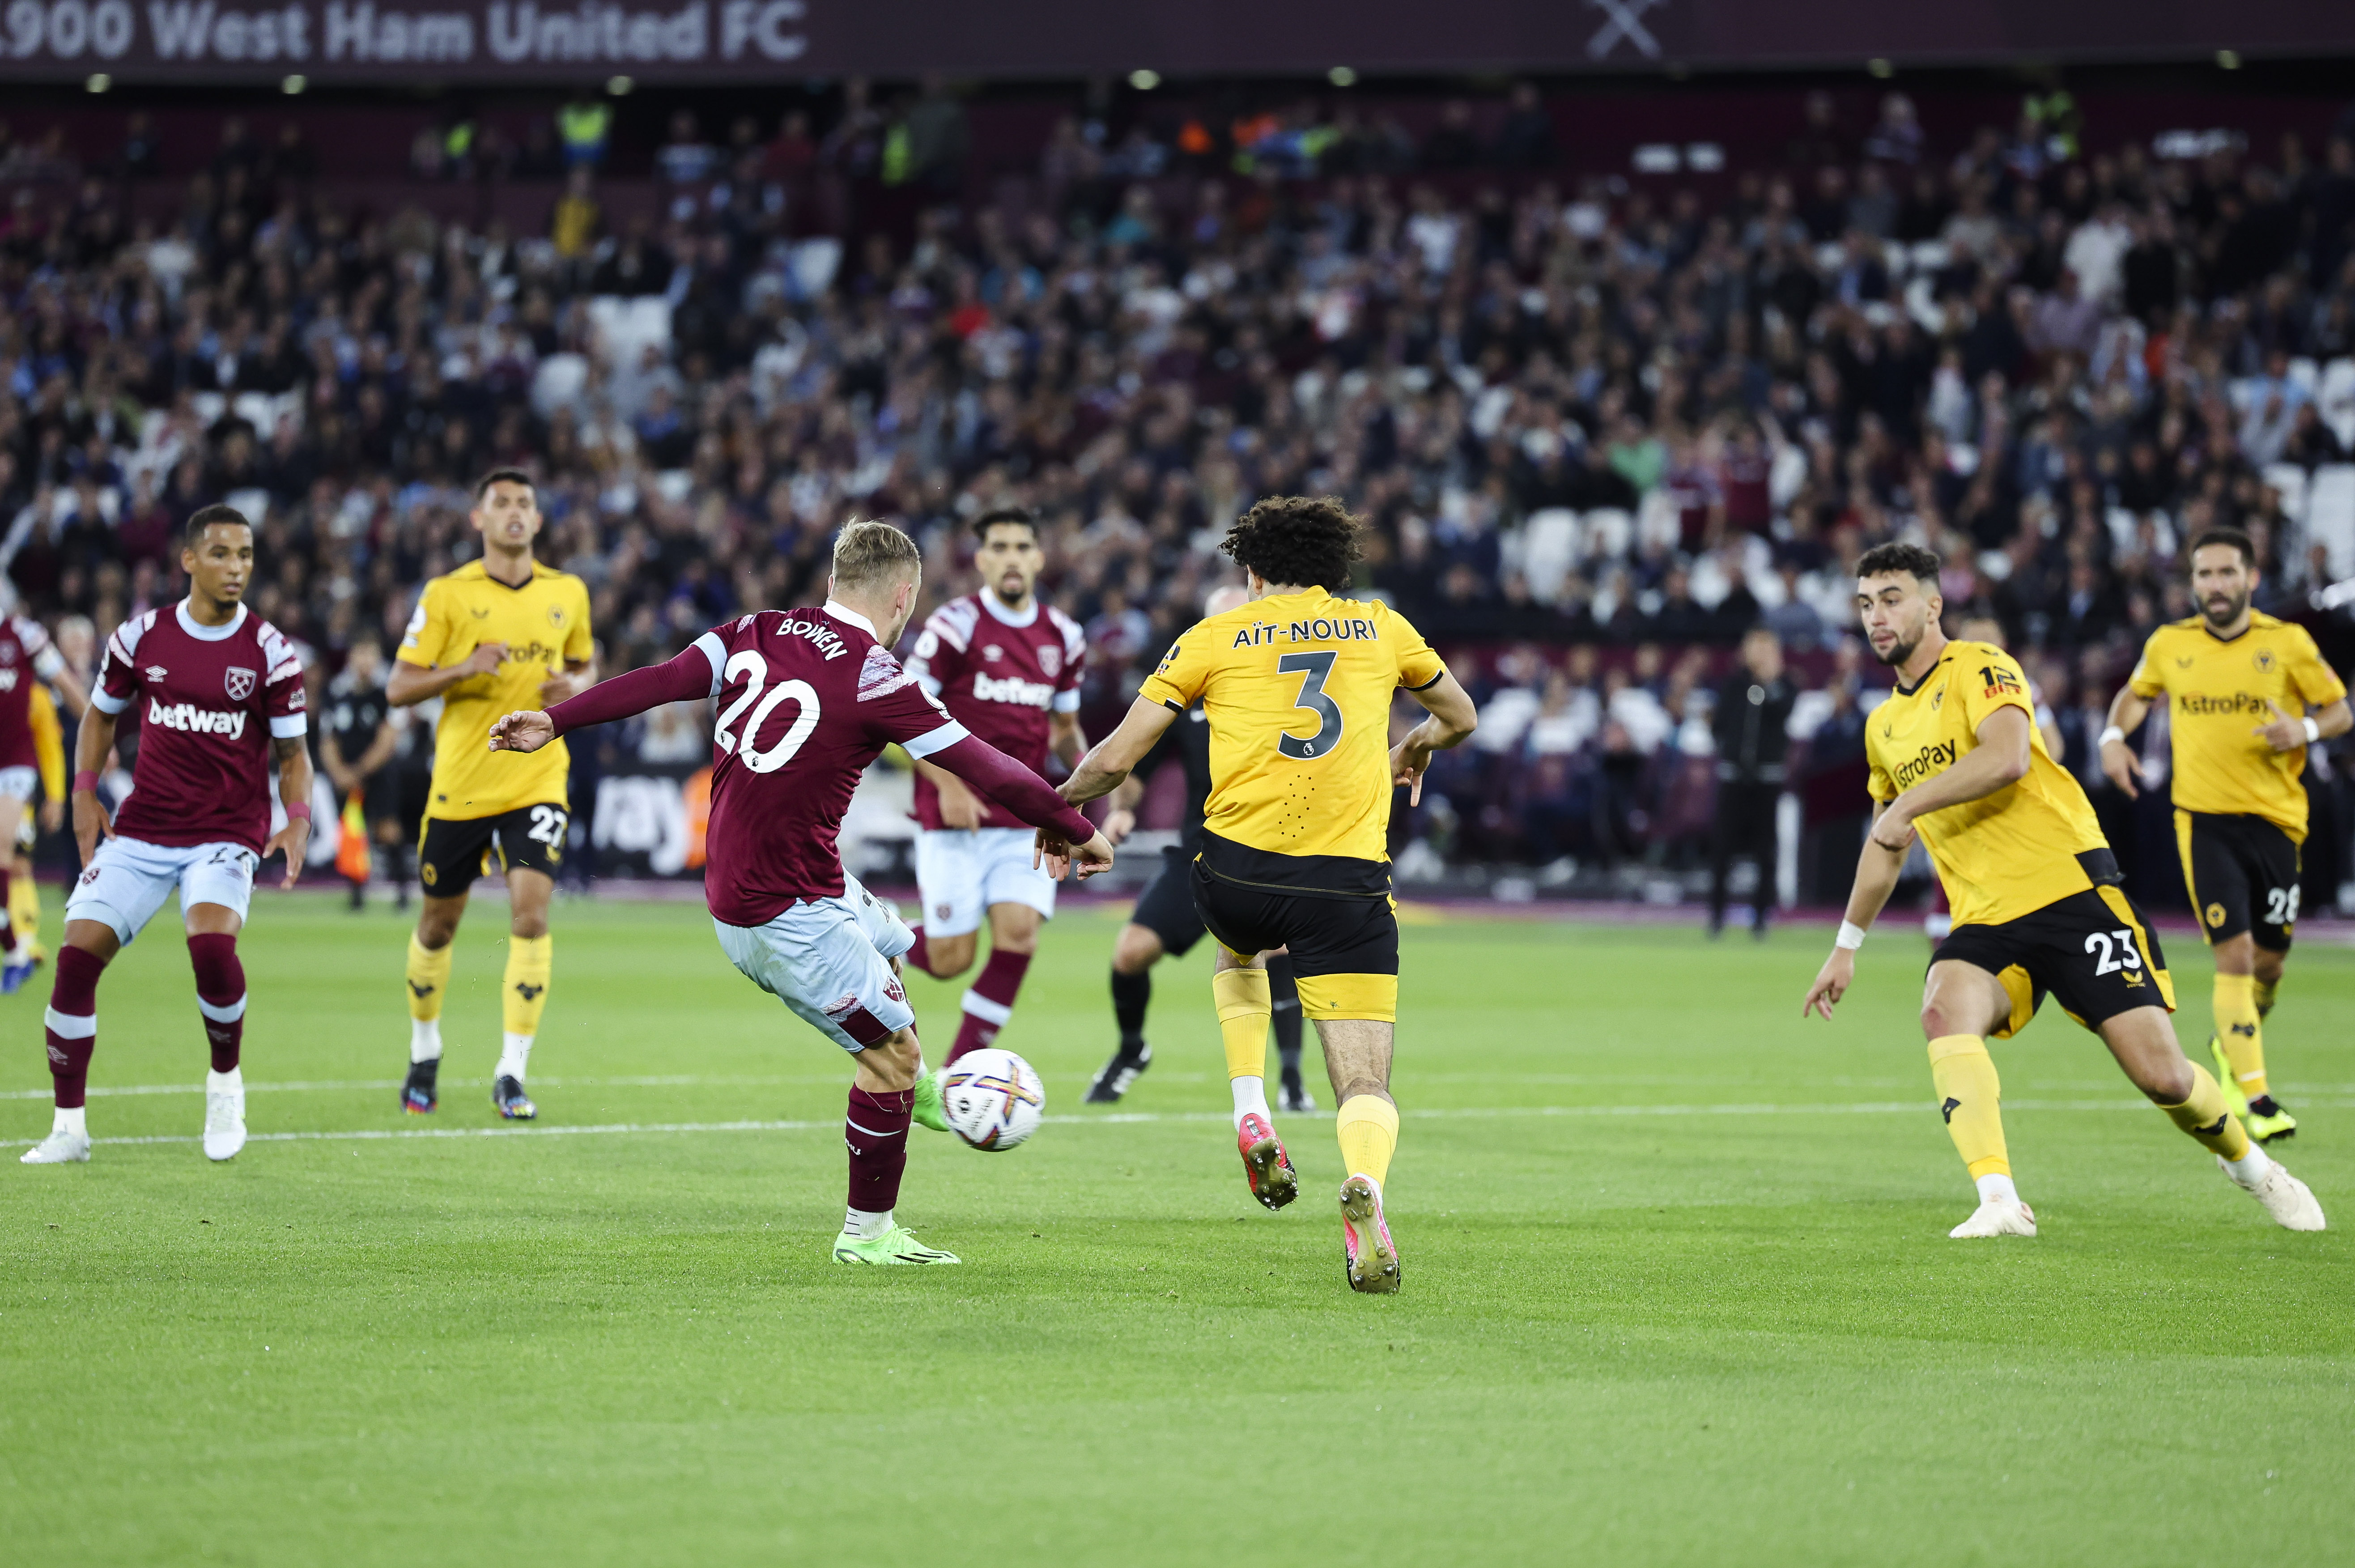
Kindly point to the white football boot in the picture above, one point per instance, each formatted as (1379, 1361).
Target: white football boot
(62, 1146)
(224, 1113)
(1997, 1217)
(2289, 1200)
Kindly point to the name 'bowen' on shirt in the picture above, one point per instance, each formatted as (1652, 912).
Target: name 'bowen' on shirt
(1320, 630)
(824, 637)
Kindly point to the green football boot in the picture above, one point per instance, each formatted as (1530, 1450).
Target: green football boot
(895, 1245)
(2265, 1116)
(927, 1109)
(2234, 1101)
(2268, 1122)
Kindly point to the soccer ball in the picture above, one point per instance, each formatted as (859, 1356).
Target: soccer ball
(993, 1098)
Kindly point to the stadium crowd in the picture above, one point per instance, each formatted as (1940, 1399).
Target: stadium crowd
(1600, 430)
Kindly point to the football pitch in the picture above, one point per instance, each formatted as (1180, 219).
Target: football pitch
(1677, 1284)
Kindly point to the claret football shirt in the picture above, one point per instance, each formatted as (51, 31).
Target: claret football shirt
(208, 701)
(999, 674)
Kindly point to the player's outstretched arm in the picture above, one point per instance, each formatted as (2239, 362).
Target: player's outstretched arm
(1454, 716)
(1065, 837)
(684, 677)
(1116, 755)
(1876, 878)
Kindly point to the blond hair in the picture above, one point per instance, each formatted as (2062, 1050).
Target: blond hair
(873, 554)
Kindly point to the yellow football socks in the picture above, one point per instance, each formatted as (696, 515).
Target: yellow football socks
(1368, 1125)
(1970, 1098)
(525, 991)
(25, 910)
(2241, 1032)
(2207, 1119)
(1244, 1009)
(429, 977)
(2261, 993)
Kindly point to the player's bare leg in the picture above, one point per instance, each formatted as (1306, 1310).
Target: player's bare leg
(1358, 1058)
(1239, 986)
(988, 1003)
(2244, 973)
(875, 1131)
(1961, 1004)
(2143, 1041)
(1134, 952)
(523, 991)
(944, 958)
(71, 1030)
(429, 984)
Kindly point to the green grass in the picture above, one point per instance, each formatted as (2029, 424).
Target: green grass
(1633, 1328)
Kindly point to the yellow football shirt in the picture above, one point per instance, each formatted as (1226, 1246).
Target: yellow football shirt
(2217, 689)
(2003, 855)
(1297, 689)
(544, 625)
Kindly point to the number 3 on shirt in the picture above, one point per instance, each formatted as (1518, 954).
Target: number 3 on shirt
(1314, 669)
(754, 669)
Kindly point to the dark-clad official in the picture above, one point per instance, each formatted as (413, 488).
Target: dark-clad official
(1753, 725)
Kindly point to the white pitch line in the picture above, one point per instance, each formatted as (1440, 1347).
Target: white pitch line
(2306, 1095)
(1867, 1108)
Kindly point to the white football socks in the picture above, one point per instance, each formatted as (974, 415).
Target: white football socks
(865, 1224)
(424, 1039)
(224, 1082)
(2250, 1168)
(1250, 1099)
(70, 1119)
(1995, 1189)
(514, 1054)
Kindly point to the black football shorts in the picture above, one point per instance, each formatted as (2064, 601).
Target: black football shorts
(2091, 952)
(2242, 872)
(452, 853)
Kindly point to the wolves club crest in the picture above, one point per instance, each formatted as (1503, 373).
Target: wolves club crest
(1051, 661)
(240, 682)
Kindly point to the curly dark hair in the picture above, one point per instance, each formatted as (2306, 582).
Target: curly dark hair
(1300, 541)
(1882, 558)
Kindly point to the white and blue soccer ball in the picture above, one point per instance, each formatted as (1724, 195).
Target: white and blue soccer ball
(993, 1099)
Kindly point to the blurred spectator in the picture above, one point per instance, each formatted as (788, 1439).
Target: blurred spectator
(583, 124)
(1526, 139)
(1750, 727)
(1589, 418)
(686, 158)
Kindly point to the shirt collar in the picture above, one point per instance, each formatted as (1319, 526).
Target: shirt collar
(842, 612)
(1004, 617)
(203, 633)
